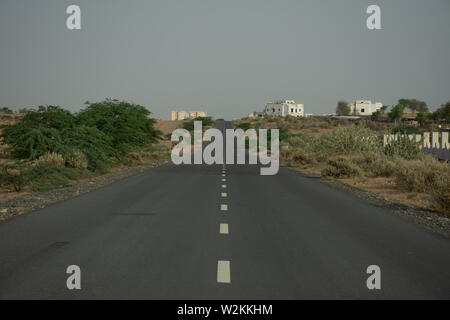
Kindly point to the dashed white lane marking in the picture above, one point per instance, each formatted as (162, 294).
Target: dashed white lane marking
(223, 228)
(223, 175)
(224, 207)
(224, 186)
(223, 271)
(224, 180)
(224, 194)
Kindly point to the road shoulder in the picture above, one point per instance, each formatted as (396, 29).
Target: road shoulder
(32, 201)
(432, 220)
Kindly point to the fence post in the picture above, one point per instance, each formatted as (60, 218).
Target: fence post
(426, 140)
(444, 143)
(435, 140)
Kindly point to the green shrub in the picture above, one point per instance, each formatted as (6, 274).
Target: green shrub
(13, 176)
(403, 147)
(206, 121)
(28, 142)
(6, 110)
(125, 123)
(345, 141)
(42, 178)
(244, 126)
(96, 146)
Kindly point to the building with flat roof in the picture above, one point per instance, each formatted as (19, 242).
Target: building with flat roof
(184, 115)
(284, 108)
(364, 107)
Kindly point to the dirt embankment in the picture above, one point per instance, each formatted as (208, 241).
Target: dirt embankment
(168, 126)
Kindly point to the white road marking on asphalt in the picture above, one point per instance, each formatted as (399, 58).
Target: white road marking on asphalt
(223, 180)
(224, 194)
(223, 228)
(224, 207)
(224, 186)
(223, 175)
(223, 271)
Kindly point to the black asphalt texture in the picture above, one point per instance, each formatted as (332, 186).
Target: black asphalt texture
(155, 235)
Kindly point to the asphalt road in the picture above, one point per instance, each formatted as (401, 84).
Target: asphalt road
(157, 235)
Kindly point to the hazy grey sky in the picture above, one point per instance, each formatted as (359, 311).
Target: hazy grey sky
(227, 57)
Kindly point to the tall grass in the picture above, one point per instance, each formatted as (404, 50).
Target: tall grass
(358, 151)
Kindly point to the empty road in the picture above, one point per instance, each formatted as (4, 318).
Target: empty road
(201, 232)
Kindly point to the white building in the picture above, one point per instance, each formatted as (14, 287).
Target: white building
(283, 108)
(183, 115)
(364, 107)
(196, 114)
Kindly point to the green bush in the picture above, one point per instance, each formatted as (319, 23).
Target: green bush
(244, 126)
(102, 131)
(44, 178)
(125, 123)
(39, 177)
(30, 142)
(13, 176)
(403, 147)
(206, 121)
(6, 110)
(96, 145)
(345, 141)
(62, 146)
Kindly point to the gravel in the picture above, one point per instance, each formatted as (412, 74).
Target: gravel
(33, 201)
(432, 220)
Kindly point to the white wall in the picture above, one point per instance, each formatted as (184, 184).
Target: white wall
(364, 107)
(284, 109)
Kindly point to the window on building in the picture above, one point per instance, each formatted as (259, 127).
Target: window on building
(292, 109)
(363, 110)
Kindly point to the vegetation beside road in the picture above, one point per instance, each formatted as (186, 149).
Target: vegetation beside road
(353, 152)
(51, 147)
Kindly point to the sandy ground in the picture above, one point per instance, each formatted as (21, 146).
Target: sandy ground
(387, 188)
(168, 126)
(384, 187)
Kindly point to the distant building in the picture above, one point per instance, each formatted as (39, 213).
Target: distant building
(364, 107)
(183, 115)
(255, 114)
(196, 114)
(179, 115)
(284, 108)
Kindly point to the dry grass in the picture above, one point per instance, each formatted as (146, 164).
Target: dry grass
(51, 159)
(341, 167)
(76, 159)
(356, 153)
(297, 157)
(426, 175)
